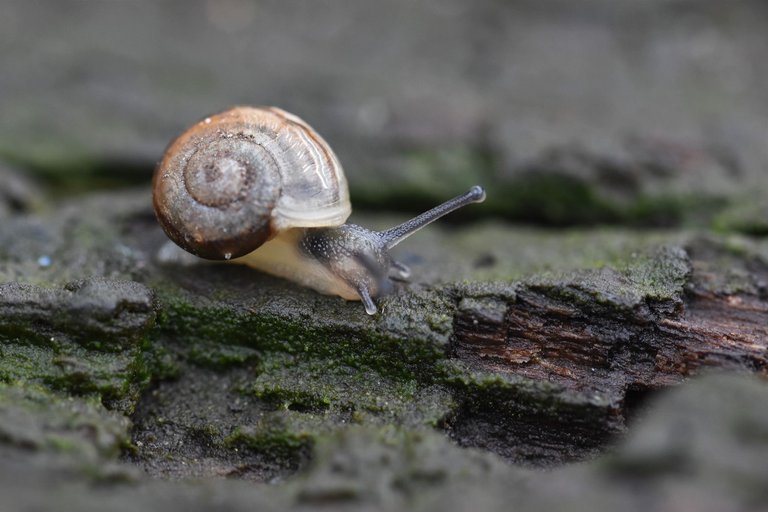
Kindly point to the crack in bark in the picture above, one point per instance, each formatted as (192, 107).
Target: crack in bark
(620, 354)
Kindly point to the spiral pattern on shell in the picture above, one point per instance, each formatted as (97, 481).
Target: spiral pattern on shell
(233, 180)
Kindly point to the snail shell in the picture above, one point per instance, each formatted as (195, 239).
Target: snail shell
(237, 179)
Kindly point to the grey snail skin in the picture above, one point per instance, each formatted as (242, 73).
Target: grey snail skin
(259, 186)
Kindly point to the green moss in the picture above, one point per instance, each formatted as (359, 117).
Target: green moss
(545, 194)
(509, 411)
(552, 199)
(60, 444)
(156, 362)
(458, 375)
(660, 274)
(423, 177)
(96, 313)
(279, 436)
(730, 264)
(68, 169)
(34, 418)
(400, 468)
(322, 371)
(655, 276)
(217, 355)
(392, 347)
(328, 388)
(747, 215)
(316, 375)
(116, 377)
(499, 255)
(666, 209)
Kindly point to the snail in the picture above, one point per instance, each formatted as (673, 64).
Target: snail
(259, 186)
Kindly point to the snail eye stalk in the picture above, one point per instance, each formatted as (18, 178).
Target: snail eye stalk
(393, 236)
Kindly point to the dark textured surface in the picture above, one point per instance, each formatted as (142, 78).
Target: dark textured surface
(702, 447)
(227, 371)
(522, 366)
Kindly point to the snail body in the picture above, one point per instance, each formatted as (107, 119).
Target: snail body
(259, 186)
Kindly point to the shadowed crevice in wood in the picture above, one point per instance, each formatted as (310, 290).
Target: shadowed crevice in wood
(585, 348)
(545, 340)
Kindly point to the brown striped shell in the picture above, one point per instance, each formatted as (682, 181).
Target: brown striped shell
(236, 179)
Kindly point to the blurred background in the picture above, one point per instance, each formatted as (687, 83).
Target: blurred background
(644, 112)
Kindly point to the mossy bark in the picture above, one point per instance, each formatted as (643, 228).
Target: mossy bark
(538, 347)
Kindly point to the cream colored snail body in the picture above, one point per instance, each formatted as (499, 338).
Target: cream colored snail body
(260, 187)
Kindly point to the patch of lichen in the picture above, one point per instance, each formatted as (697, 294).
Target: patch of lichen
(729, 264)
(614, 278)
(656, 276)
